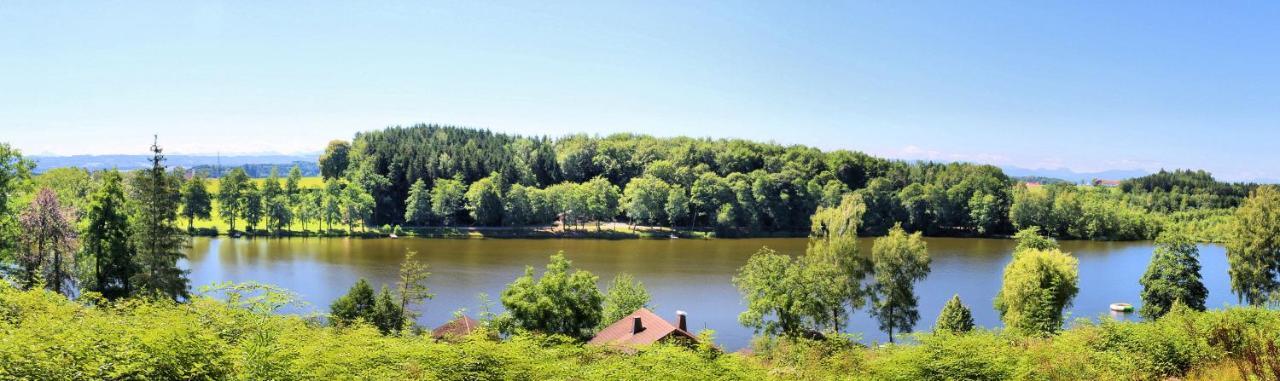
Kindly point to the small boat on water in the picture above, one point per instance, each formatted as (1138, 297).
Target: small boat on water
(1121, 307)
(393, 235)
(673, 236)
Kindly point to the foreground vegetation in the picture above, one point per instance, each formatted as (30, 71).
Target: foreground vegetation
(102, 297)
(48, 337)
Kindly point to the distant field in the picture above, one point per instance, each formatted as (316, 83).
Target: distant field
(307, 182)
(215, 220)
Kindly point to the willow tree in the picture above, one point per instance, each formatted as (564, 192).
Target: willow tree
(1037, 286)
(833, 268)
(1253, 252)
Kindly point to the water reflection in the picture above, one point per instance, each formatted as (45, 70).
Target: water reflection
(690, 275)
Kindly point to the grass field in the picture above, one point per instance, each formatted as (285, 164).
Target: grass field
(215, 218)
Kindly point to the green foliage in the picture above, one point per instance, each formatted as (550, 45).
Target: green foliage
(767, 282)
(159, 242)
(106, 239)
(196, 200)
(900, 261)
(832, 270)
(677, 206)
(1253, 251)
(733, 185)
(1173, 276)
(1037, 286)
(448, 199)
(412, 287)
(231, 196)
(1082, 213)
(335, 159)
(484, 200)
(1183, 190)
(625, 296)
(356, 304)
(955, 317)
(418, 204)
(357, 205)
(644, 200)
(1030, 239)
(50, 337)
(564, 301)
(360, 304)
(601, 198)
(15, 176)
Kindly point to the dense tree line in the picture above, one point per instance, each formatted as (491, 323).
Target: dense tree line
(1068, 211)
(729, 185)
(1180, 190)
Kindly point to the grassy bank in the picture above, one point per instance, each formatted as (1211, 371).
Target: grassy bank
(45, 336)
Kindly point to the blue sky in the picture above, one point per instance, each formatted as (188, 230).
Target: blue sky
(1081, 85)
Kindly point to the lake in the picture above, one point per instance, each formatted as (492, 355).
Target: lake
(686, 274)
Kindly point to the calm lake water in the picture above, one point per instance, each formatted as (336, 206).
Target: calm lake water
(687, 274)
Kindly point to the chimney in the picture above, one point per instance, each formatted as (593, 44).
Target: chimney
(680, 321)
(636, 326)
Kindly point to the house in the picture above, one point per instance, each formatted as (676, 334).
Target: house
(643, 327)
(455, 329)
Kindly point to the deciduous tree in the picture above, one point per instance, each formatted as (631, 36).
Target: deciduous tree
(49, 243)
(563, 301)
(106, 239)
(1172, 276)
(196, 201)
(900, 261)
(625, 295)
(1037, 286)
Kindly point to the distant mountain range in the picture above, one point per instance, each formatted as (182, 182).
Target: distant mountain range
(1073, 176)
(256, 165)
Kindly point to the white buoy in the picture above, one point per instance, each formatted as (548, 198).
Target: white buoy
(1121, 307)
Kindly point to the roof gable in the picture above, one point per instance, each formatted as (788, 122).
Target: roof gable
(654, 329)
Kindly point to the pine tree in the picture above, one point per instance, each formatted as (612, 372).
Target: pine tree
(156, 235)
(357, 304)
(417, 210)
(412, 286)
(955, 317)
(900, 260)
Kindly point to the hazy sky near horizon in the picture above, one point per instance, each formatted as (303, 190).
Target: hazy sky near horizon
(1082, 85)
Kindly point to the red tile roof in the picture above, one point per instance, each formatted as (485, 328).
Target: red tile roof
(457, 327)
(654, 329)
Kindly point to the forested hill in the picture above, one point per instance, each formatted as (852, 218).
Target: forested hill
(729, 183)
